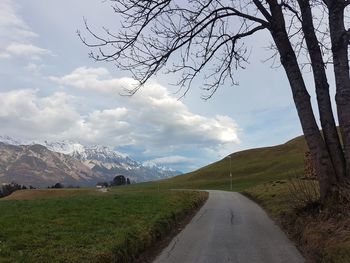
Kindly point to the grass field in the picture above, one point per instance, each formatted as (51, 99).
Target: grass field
(86, 225)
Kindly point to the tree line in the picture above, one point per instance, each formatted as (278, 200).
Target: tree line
(7, 189)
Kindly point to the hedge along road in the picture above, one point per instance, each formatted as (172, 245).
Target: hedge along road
(230, 228)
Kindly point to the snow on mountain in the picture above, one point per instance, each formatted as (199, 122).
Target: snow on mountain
(99, 155)
(103, 161)
(153, 165)
(65, 147)
(74, 148)
(11, 141)
(38, 166)
(149, 164)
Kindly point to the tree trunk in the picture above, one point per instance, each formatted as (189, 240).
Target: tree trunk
(340, 40)
(322, 90)
(302, 102)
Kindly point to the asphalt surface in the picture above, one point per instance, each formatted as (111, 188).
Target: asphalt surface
(230, 228)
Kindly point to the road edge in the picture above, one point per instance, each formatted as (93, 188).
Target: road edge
(277, 221)
(156, 248)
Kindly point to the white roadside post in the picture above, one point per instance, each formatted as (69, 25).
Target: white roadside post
(230, 172)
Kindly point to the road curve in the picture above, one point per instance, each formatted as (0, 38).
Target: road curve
(230, 228)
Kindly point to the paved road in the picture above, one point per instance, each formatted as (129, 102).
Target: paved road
(230, 228)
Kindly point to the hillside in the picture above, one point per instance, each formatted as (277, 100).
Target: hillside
(249, 167)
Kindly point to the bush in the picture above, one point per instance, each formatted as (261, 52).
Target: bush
(118, 180)
(57, 186)
(303, 192)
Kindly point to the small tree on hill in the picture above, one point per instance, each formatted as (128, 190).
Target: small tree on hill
(205, 38)
(58, 186)
(118, 180)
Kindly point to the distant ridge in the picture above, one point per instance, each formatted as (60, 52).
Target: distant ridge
(108, 163)
(97, 163)
(37, 166)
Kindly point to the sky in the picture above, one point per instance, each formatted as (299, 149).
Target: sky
(51, 90)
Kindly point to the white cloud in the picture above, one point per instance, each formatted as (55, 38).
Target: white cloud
(29, 50)
(27, 115)
(11, 24)
(4, 55)
(33, 68)
(15, 35)
(95, 79)
(160, 120)
(22, 111)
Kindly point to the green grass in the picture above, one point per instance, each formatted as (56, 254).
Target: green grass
(274, 196)
(249, 168)
(34, 194)
(86, 226)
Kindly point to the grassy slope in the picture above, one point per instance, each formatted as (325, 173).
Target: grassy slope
(321, 237)
(249, 168)
(87, 226)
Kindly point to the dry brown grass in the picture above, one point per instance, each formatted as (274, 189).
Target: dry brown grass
(323, 236)
(303, 192)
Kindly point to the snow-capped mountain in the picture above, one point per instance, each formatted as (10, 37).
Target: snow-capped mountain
(105, 161)
(38, 166)
(153, 165)
(102, 162)
(100, 154)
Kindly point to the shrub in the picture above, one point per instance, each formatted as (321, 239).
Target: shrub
(303, 192)
(118, 180)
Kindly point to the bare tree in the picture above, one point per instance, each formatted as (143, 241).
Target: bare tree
(206, 38)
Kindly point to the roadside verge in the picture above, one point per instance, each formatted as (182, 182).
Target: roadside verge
(320, 236)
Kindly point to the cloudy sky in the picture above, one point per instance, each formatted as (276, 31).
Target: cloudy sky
(51, 90)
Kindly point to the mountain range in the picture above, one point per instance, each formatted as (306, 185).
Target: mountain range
(42, 164)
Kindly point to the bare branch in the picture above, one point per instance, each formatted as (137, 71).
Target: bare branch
(156, 31)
